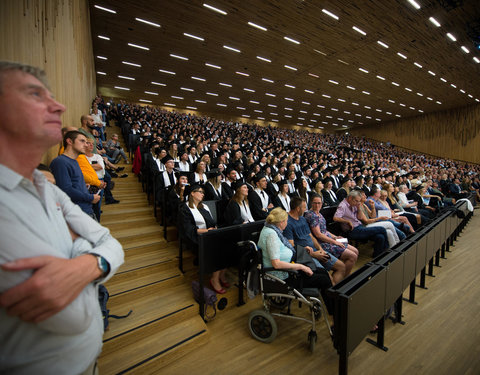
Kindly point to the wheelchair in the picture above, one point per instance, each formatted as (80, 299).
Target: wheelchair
(277, 298)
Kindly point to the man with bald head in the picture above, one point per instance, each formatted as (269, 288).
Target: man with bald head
(52, 255)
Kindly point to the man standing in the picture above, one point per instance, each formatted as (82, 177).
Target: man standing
(53, 254)
(68, 174)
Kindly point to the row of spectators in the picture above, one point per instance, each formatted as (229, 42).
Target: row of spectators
(377, 191)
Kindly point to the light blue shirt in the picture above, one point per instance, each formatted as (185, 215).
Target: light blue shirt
(273, 248)
(33, 222)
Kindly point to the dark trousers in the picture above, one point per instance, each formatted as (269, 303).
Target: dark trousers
(377, 234)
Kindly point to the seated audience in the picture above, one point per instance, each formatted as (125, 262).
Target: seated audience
(213, 187)
(282, 199)
(329, 242)
(329, 196)
(238, 208)
(114, 150)
(259, 200)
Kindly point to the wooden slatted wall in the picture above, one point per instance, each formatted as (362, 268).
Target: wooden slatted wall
(453, 133)
(54, 35)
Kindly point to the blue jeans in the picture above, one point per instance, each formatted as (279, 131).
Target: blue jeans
(377, 234)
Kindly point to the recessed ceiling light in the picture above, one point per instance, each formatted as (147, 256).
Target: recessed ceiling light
(232, 49)
(412, 108)
(325, 122)
(451, 37)
(166, 71)
(309, 91)
(274, 113)
(242, 108)
(121, 88)
(233, 98)
(306, 103)
(105, 9)
(215, 9)
(200, 101)
(358, 30)
(289, 86)
(328, 13)
(346, 112)
(213, 66)
(272, 105)
(454, 86)
(414, 4)
(363, 70)
(186, 89)
(380, 77)
(301, 118)
(328, 116)
(465, 49)
(177, 97)
(408, 89)
(194, 37)
(334, 109)
(272, 95)
(326, 96)
(245, 115)
(418, 65)
(151, 92)
(289, 99)
(290, 67)
(264, 59)
(462, 91)
(103, 37)
(402, 105)
(369, 117)
(476, 60)
(384, 45)
(131, 64)
(443, 80)
(258, 111)
(365, 92)
(254, 102)
(243, 74)
(320, 106)
(420, 111)
(358, 115)
(395, 84)
(249, 90)
(431, 73)
(388, 113)
(402, 55)
(302, 111)
(313, 75)
(351, 87)
(288, 109)
(190, 107)
(470, 96)
(211, 93)
(179, 57)
(434, 21)
(257, 26)
(341, 100)
(291, 40)
(313, 120)
(102, 73)
(125, 77)
(198, 79)
(144, 100)
(225, 84)
(102, 58)
(391, 100)
(378, 110)
(147, 22)
(429, 98)
(398, 116)
(287, 116)
(221, 105)
(332, 81)
(274, 119)
(419, 94)
(367, 107)
(438, 102)
(158, 83)
(354, 103)
(139, 46)
(261, 118)
(267, 80)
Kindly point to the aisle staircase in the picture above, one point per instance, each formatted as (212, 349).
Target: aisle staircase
(165, 324)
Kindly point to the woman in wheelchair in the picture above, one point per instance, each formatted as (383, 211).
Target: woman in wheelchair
(195, 219)
(277, 252)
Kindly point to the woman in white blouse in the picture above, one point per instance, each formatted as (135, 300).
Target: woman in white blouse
(197, 219)
(238, 209)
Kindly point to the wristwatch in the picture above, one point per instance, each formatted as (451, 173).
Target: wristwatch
(103, 265)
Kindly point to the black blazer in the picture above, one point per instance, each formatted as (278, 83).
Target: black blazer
(256, 205)
(187, 222)
(232, 215)
(327, 199)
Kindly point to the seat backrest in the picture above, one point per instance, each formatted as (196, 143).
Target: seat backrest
(213, 208)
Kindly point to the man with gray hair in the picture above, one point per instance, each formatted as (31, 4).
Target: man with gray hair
(350, 216)
(52, 255)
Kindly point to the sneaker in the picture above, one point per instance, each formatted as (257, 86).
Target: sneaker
(124, 175)
(119, 169)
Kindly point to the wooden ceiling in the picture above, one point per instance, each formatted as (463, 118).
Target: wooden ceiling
(328, 89)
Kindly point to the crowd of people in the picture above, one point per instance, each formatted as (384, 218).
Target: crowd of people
(378, 192)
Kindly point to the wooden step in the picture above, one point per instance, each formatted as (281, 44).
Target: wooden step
(125, 205)
(126, 224)
(149, 238)
(140, 277)
(125, 213)
(147, 349)
(140, 257)
(119, 219)
(147, 304)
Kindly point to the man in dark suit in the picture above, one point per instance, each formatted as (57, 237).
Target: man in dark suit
(228, 184)
(258, 199)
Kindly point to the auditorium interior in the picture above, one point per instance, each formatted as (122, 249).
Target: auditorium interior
(398, 73)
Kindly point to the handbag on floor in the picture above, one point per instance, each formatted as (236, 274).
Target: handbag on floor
(209, 296)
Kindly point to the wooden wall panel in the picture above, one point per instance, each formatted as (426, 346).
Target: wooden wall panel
(452, 134)
(55, 36)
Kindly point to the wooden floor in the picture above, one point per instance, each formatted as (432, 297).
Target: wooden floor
(165, 335)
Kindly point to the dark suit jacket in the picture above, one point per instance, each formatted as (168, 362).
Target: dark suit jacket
(256, 205)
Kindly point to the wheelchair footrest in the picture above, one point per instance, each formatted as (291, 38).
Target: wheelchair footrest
(310, 292)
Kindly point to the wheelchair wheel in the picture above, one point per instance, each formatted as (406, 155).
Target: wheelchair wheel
(278, 302)
(312, 340)
(262, 326)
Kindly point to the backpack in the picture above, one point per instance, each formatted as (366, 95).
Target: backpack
(103, 296)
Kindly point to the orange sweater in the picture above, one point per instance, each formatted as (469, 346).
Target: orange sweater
(89, 174)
